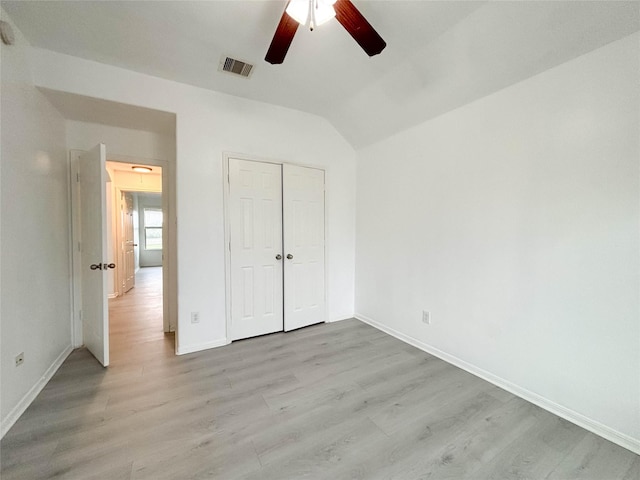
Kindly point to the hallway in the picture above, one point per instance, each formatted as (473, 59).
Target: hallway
(135, 321)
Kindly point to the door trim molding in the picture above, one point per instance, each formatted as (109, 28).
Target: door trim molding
(227, 230)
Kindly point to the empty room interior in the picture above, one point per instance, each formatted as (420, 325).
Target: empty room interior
(261, 239)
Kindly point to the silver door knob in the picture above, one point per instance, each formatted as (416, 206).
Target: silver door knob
(278, 257)
(289, 256)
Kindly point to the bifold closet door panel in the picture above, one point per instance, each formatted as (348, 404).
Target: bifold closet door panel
(255, 217)
(303, 217)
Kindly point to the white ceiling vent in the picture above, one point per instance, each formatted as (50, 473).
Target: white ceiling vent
(237, 67)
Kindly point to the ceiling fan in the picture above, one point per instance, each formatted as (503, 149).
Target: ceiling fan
(316, 12)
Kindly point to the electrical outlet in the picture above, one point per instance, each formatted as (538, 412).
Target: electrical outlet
(20, 359)
(195, 317)
(426, 317)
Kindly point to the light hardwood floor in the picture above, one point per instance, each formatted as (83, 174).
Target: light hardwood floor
(332, 401)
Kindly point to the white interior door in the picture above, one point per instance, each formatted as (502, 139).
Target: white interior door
(255, 211)
(128, 243)
(303, 212)
(93, 228)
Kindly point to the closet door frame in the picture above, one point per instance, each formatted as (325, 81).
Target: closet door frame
(227, 229)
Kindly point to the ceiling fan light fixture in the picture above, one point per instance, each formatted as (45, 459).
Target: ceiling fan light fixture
(323, 12)
(299, 11)
(141, 169)
(315, 12)
(312, 12)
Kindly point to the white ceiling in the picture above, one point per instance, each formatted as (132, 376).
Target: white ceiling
(127, 167)
(440, 54)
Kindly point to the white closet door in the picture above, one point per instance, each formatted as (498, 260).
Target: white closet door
(303, 211)
(255, 207)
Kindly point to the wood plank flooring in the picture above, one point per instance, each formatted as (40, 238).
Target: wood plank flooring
(331, 401)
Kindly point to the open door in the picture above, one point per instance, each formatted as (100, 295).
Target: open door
(93, 227)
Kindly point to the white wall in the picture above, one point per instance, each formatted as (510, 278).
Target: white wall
(35, 311)
(514, 220)
(120, 141)
(208, 124)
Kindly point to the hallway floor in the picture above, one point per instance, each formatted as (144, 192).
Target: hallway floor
(135, 322)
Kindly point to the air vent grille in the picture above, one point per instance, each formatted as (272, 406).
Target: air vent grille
(236, 67)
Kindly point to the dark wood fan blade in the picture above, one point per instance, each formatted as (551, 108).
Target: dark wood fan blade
(358, 27)
(281, 39)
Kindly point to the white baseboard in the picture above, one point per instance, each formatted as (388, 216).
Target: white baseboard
(339, 319)
(13, 416)
(572, 416)
(197, 347)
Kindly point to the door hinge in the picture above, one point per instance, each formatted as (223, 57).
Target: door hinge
(77, 177)
(79, 249)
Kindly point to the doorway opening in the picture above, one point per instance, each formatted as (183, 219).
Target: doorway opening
(134, 283)
(137, 240)
(98, 131)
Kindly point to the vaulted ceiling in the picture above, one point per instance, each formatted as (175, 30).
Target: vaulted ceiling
(440, 54)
